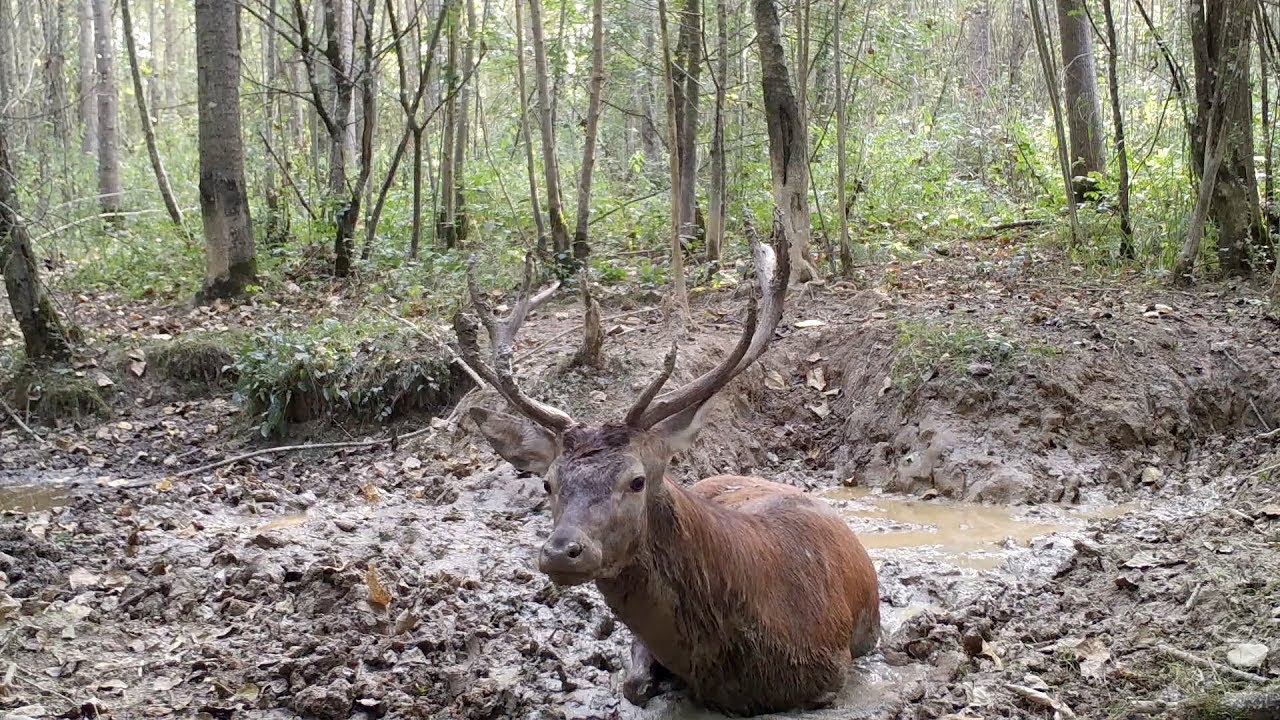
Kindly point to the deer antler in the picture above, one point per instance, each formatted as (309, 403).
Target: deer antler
(773, 271)
(502, 334)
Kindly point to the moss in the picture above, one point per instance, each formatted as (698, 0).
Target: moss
(58, 394)
(201, 358)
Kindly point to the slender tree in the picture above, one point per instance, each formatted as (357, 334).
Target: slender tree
(110, 191)
(1117, 121)
(550, 165)
(42, 331)
(788, 140)
(1039, 24)
(1080, 85)
(55, 71)
(530, 165)
(148, 129)
(685, 78)
(716, 199)
(88, 83)
(231, 264)
(580, 247)
(679, 289)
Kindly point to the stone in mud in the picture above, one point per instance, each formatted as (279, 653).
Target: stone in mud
(327, 702)
(1248, 655)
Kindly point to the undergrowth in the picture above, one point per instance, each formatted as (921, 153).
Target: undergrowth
(368, 371)
(923, 347)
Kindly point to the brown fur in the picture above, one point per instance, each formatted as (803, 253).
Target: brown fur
(752, 594)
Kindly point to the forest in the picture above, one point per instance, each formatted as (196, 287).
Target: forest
(912, 359)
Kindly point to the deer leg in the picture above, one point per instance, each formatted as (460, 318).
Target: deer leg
(646, 678)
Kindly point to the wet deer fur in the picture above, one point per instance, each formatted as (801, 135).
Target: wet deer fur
(752, 595)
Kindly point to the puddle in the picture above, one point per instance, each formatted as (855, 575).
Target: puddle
(32, 498)
(965, 534)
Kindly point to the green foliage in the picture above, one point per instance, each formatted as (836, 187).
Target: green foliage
(923, 346)
(366, 369)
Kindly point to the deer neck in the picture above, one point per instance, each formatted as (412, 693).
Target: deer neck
(686, 561)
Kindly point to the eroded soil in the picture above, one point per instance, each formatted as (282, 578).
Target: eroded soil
(1059, 481)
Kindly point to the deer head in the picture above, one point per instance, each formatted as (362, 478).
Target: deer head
(604, 480)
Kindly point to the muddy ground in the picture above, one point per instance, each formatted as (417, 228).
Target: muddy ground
(1067, 486)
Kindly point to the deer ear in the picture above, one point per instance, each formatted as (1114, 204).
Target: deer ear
(524, 444)
(680, 430)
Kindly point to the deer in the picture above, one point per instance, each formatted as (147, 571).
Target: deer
(749, 595)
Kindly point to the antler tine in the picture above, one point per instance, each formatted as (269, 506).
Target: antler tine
(501, 339)
(655, 386)
(773, 270)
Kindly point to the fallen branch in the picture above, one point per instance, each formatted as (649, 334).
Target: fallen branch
(1187, 657)
(576, 327)
(1263, 705)
(1015, 225)
(1036, 697)
(25, 428)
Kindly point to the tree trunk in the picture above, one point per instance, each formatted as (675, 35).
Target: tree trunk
(550, 167)
(55, 64)
(580, 247)
(1221, 33)
(980, 76)
(679, 290)
(88, 85)
(153, 58)
(1117, 119)
(527, 138)
(788, 140)
(170, 80)
(463, 133)
(277, 219)
(445, 216)
(8, 54)
(224, 206)
(716, 201)
(109, 187)
(1080, 85)
(42, 331)
(687, 94)
(842, 164)
(1039, 21)
(148, 130)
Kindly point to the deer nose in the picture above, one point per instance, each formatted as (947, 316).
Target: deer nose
(568, 552)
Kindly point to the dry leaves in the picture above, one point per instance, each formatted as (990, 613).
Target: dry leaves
(378, 595)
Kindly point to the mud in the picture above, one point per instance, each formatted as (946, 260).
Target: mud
(1047, 524)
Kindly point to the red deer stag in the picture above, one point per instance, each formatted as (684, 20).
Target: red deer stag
(750, 594)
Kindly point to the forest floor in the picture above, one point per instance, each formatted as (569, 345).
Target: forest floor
(1068, 487)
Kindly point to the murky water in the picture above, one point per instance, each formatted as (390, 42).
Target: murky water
(964, 534)
(32, 498)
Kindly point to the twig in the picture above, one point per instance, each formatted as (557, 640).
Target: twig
(1187, 657)
(8, 410)
(282, 449)
(475, 377)
(574, 328)
(1191, 601)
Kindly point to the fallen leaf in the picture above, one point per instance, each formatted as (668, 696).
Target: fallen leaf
(281, 523)
(815, 357)
(802, 324)
(378, 594)
(165, 683)
(816, 379)
(1037, 697)
(990, 653)
(80, 578)
(166, 484)
(886, 385)
(774, 380)
(370, 492)
(248, 693)
(822, 410)
(1092, 655)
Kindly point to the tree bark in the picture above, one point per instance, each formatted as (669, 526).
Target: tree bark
(170, 81)
(224, 206)
(717, 195)
(788, 140)
(1039, 22)
(448, 146)
(148, 130)
(580, 247)
(842, 163)
(1221, 34)
(277, 217)
(88, 72)
(550, 166)
(687, 93)
(7, 55)
(678, 287)
(530, 165)
(1117, 120)
(43, 334)
(110, 191)
(55, 63)
(463, 134)
(1080, 86)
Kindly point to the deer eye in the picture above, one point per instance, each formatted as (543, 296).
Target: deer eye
(637, 483)
(546, 487)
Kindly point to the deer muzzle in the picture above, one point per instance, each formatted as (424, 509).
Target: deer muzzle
(569, 557)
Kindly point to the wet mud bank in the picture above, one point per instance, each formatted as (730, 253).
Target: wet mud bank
(1061, 489)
